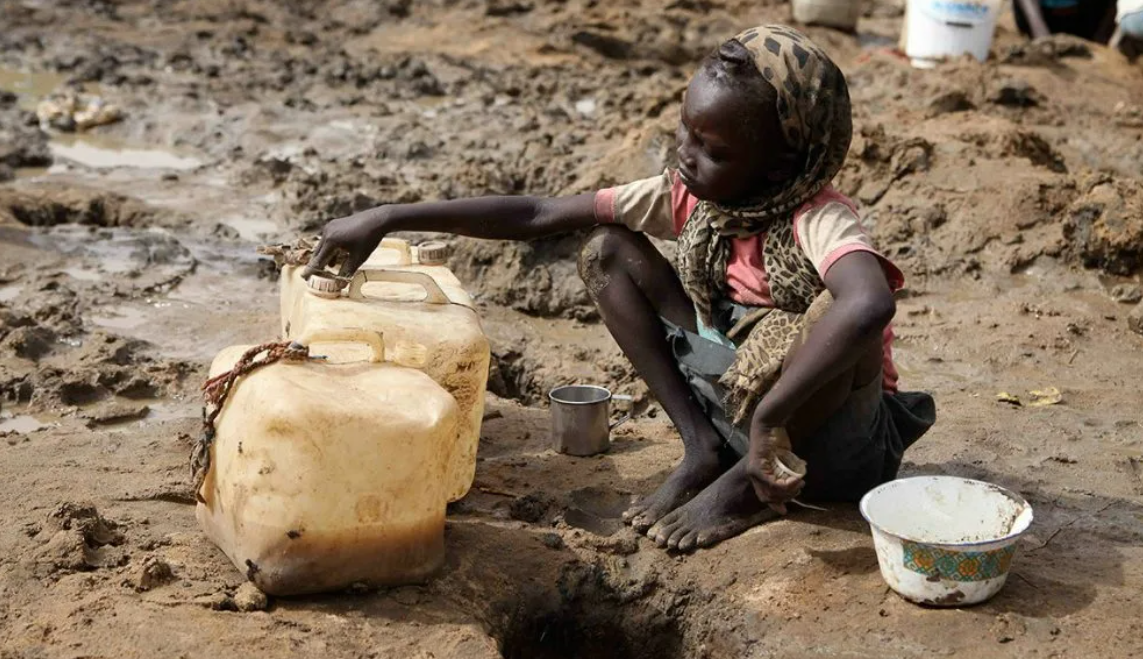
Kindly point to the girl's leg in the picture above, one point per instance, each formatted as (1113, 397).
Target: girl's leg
(729, 506)
(633, 285)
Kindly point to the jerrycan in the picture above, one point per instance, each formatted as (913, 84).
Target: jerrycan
(428, 323)
(330, 472)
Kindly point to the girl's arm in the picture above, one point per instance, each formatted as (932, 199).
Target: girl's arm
(504, 218)
(863, 305)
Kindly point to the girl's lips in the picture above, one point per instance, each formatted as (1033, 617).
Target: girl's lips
(687, 179)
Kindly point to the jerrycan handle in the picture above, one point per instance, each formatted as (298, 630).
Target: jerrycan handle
(401, 246)
(433, 292)
(375, 340)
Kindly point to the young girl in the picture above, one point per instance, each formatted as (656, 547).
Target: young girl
(770, 332)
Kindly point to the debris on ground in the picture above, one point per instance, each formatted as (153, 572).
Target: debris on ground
(71, 111)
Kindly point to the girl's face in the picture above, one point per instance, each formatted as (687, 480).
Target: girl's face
(728, 148)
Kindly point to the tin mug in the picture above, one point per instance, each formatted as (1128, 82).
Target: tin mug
(581, 418)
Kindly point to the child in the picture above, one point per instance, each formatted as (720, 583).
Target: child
(775, 327)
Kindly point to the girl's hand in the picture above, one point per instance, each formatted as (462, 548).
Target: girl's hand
(355, 236)
(772, 484)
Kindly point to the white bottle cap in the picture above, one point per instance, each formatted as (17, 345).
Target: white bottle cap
(433, 253)
(325, 285)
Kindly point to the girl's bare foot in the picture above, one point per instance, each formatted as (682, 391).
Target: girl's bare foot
(698, 469)
(726, 508)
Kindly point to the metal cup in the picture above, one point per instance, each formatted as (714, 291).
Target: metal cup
(581, 418)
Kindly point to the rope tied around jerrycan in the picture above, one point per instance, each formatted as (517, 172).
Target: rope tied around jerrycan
(217, 389)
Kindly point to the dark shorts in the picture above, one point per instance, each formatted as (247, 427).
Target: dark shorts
(859, 447)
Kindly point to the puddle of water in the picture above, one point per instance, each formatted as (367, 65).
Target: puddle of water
(122, 318)
(118, 250)
(30, 86)
(10, 292)
(162, 409)
(82, 274)
(32, 172)
(88, 149)
(103, 152)
(20, 424)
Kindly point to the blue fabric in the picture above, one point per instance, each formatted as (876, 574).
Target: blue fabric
(711, 334)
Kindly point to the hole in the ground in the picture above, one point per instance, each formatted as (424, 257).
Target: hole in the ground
(580, 633)
(587, 619)
(81, 393)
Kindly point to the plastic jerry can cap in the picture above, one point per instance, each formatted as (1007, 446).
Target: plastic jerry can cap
(325, 285)
(432, 253)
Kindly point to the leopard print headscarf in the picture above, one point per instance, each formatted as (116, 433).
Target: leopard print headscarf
(814, 113)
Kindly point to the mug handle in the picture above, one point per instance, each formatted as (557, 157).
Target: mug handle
(626, 417)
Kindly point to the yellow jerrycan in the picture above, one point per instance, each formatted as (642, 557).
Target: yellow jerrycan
(428, 323)
(330, 472)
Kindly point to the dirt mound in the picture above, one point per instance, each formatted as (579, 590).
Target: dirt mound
(76, 537)
(49, 205)
(22, 143)
(974, 172)
(1104, 226)
(39, 369)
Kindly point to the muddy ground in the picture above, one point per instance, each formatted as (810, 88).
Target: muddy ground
(1009, 192)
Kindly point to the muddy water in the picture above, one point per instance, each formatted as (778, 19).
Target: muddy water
(31, 86)
(91, 149)
(102, 152)
(10, 292)
(20, 424)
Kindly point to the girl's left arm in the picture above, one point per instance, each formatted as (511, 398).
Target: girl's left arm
(863, 305)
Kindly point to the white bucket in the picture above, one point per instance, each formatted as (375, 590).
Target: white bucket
(942, 540)
(936, 29)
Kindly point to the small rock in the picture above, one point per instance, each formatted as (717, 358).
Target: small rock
(951, 101)
(153, 573)
(552, 541)
(219, 601)
(1135, 319)
(113, 413)
(1013, 92)
(1127, 293)
(6, 173)
(31, 343)
(622, 544)
(529, 509)
(226, 232)
(507, 7)
(249, 598)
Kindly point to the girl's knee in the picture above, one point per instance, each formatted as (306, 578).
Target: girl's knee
(600, 253)
(605, 242)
